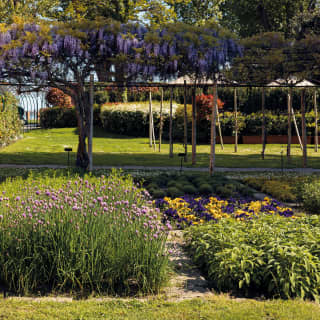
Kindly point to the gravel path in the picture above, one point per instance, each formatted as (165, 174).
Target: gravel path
(217, 169)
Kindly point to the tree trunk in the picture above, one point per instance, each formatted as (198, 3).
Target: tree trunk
(213, 131)
(185, 138)
(194, 126)
(236, 121)
(289, 125)
(304, 132)
(316, 139)
(170, 126)
(263, 131)
(83, 115)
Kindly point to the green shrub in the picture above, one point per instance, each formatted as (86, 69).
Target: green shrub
(57, 117)
(174, 192)
(157, 194)
(205, 189)
(189, 189)
(10, 123)
(311, 196)
(79, 234)
(271, 255)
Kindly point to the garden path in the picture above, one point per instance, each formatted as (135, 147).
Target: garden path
(173, 168)
(187, 282)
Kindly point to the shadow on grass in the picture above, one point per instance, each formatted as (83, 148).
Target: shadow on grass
(156, 159)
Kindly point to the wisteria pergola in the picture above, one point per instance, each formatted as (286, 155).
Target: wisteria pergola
(66, 55)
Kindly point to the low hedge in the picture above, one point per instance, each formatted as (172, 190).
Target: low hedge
(10, 123)
(136, 123)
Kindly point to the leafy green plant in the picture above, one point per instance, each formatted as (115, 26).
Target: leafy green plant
(311, 196)
(271, 255)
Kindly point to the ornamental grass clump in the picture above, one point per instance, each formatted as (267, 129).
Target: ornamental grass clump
(80, 235)
(269, 256)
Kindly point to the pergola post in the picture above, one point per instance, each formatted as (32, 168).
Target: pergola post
(150, 119)
(194, 126)
(170, 126)
(316, 138)
(90, 138)
(263, 127)
(289, 101)
(213, 131)
(161, 121)
(218, 119)
(236, 121)
(185, 138)
(303, 128)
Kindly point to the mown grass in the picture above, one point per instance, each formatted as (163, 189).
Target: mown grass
(219, 307)
(47, 147)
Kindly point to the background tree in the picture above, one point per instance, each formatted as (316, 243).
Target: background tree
(27, 10)
(57, 98)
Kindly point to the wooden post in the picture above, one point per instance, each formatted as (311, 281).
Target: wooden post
(161, 120)
(194, 126)
(90, 138)
(150, 119)
(213, 131)
(303, 128)
(289, 124)
(263, 128)
(296, 127)
(316, 138)
(170, 125)
(218, 119)
(236, 121)
(185, 123)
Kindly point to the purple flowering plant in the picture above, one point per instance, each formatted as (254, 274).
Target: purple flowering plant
(80, 234)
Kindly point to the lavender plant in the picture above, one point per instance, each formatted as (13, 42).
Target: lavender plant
(80, 234)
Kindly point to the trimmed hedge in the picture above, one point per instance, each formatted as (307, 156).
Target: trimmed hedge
(136, 123)
(10, 123)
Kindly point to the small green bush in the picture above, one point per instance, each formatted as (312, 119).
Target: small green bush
(272, 256)
(157, 194)
(205, 189)
(10, 123)
(57, 117)
(174, 192)
(311, 197)
(189, 189)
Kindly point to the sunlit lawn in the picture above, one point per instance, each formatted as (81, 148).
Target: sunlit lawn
(218, 307)
(47, 147)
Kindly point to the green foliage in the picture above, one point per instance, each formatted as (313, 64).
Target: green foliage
(271, 256)
(58, 117)
(10, 123)
(281, 189)
(310, 195)
(67, 233)
(175, 185)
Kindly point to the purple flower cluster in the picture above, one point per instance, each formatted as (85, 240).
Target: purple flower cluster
(79, 204)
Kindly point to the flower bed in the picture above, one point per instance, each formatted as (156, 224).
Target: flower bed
(188, 211)
(80, 234)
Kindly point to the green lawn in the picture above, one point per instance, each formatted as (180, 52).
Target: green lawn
(47, 147)
(217, 308)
